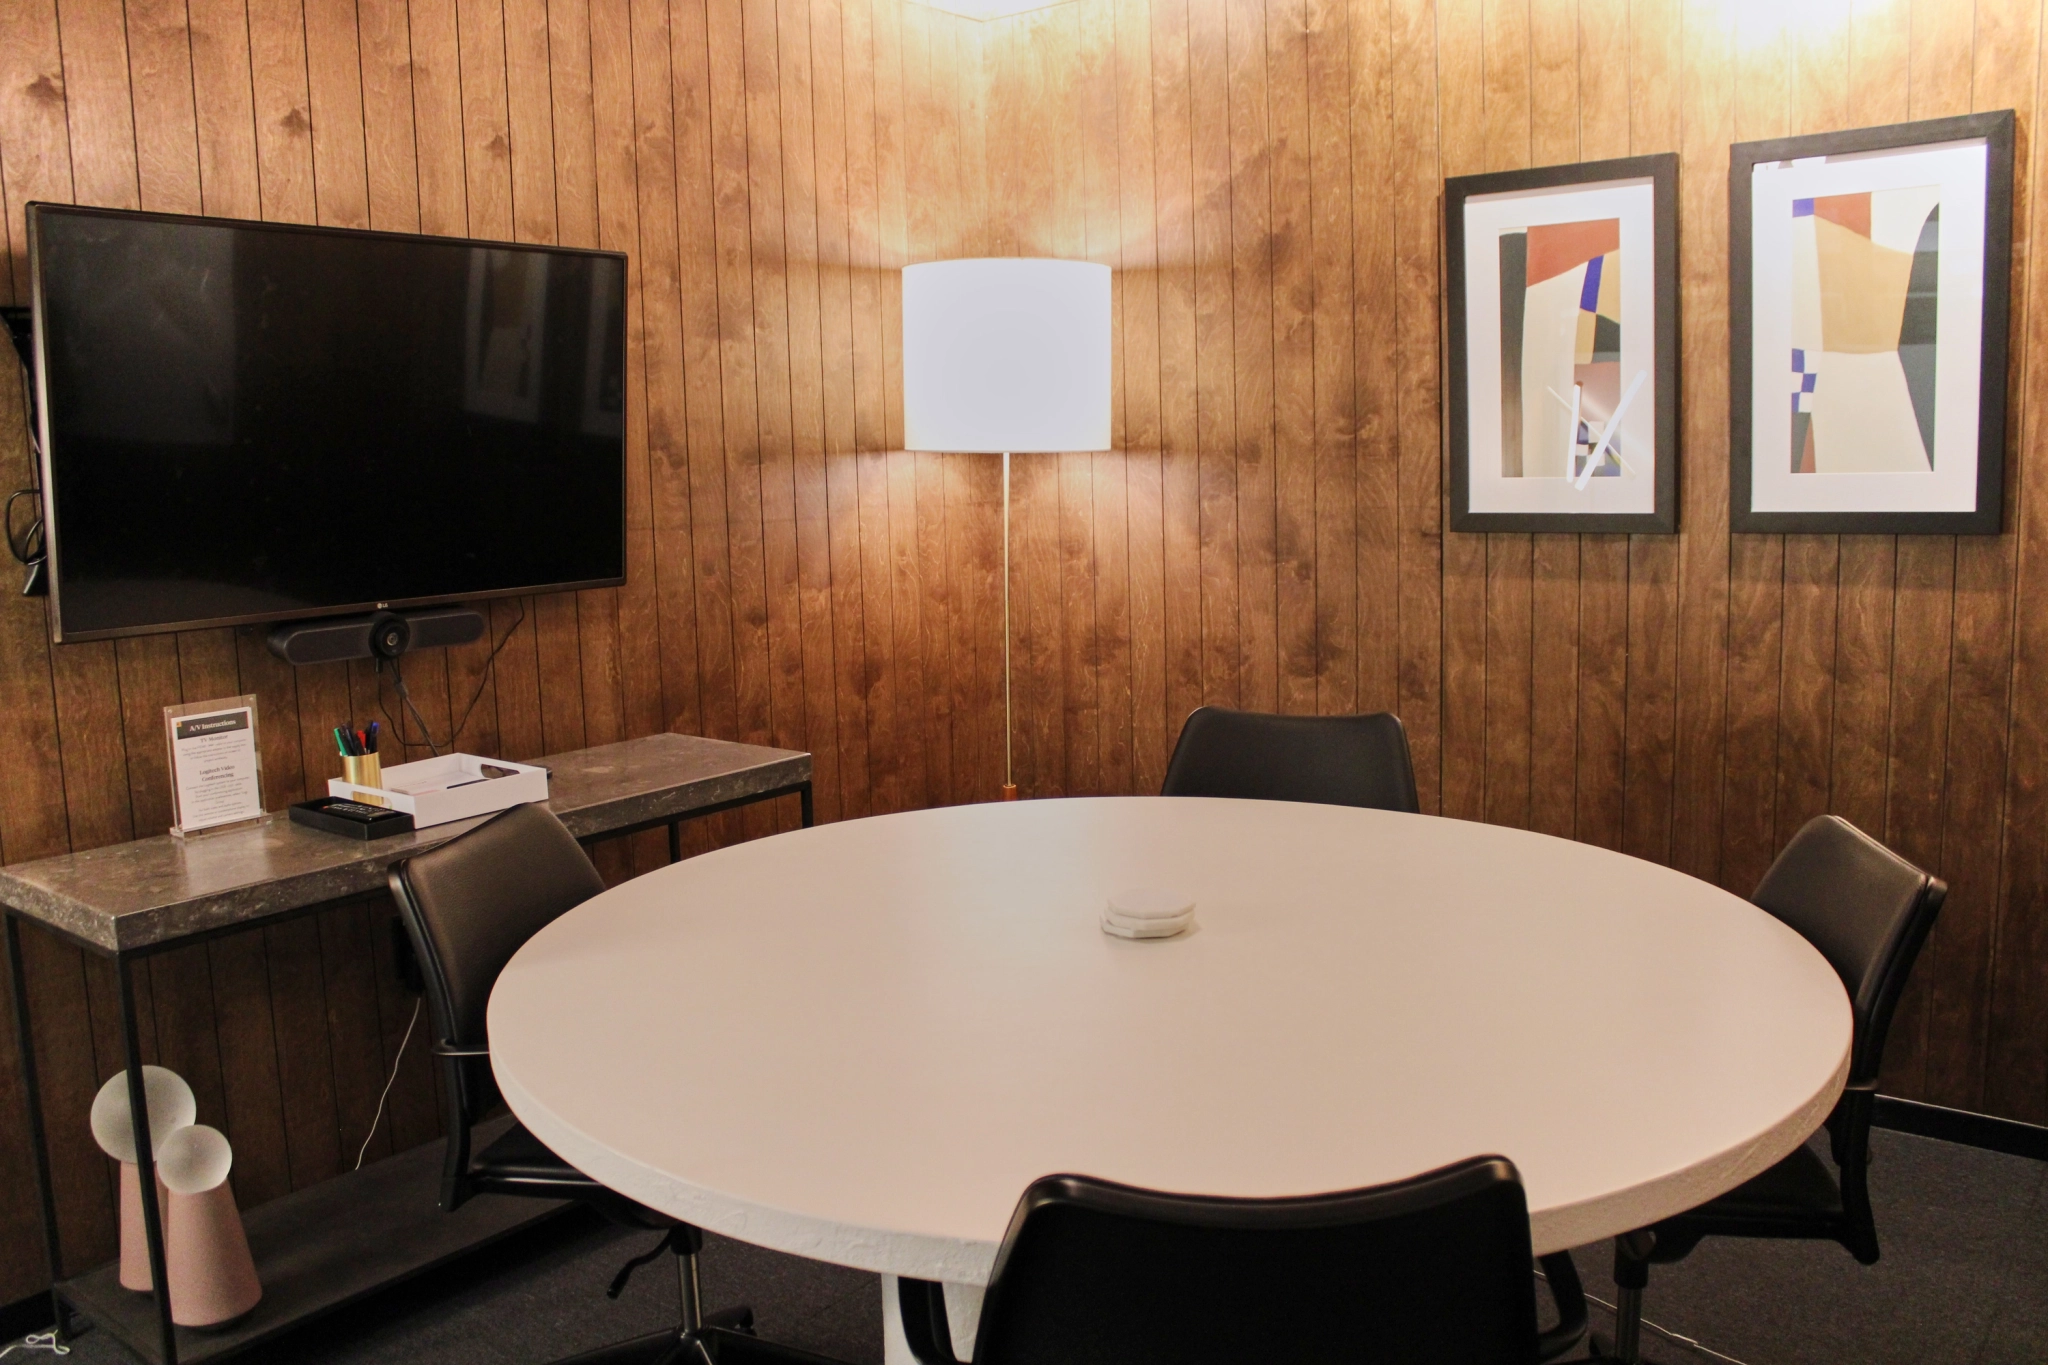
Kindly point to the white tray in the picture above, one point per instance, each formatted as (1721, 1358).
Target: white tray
(452, 787)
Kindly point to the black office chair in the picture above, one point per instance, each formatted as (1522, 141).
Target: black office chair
(1432, 1269)
(1868, 911)
(467, 907)
(1334, 760)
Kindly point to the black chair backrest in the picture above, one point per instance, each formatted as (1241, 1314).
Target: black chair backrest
(1334, 760)
(471, 903)
(1866, 909)
(1433, 1269)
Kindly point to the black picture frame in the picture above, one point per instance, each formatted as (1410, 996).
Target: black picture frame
(1997, 130)
(1661, 170)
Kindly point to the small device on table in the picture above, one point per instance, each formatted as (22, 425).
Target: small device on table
(355, 819)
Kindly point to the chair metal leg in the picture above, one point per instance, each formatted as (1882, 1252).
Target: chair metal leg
(1631, 1277)
(1628, 1326)
(691, 1295)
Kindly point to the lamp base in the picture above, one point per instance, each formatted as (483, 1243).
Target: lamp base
(1009, 791)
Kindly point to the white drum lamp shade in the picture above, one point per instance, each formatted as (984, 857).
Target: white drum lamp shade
(1006, 355)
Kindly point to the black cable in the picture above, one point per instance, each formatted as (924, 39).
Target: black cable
(405, 695)
(397, 730)
(27, 547)
(618, 1285)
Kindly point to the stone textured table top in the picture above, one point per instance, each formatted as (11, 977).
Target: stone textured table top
(156, 891)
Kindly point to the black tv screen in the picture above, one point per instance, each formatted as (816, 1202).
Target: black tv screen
(251, 422)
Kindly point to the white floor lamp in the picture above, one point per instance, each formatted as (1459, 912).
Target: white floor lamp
(1006, 356)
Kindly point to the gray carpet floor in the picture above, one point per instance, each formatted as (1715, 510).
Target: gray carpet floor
(1964, 1280)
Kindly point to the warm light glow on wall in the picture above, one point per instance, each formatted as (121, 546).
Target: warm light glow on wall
(1760, 23)
(989, 9)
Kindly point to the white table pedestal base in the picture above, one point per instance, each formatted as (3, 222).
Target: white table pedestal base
(963, 1316)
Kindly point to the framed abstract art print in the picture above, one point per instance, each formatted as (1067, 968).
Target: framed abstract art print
(1563, 330)
(1869, 287)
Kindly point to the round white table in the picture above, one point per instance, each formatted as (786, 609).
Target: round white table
(860, 1042)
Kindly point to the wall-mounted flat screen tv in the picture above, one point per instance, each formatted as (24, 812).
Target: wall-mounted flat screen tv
(246, 422)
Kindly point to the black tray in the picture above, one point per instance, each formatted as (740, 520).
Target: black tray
(350, 819)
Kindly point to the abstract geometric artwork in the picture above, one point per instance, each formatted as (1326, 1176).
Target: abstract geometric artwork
(1560, 350)
(1866, 271)
(1870, 274)
(1563, 322)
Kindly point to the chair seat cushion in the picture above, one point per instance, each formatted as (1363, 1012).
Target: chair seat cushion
(517, 1162)
(1801, 1186)
(518, 1155)
(1798, 1197)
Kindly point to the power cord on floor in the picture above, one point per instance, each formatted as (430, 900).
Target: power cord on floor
(38, 1341)
(1676, 1339)
(409, 1024)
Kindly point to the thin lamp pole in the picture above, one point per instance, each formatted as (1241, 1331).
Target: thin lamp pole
(1009, 775)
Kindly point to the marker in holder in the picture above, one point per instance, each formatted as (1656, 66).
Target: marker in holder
(360, 765)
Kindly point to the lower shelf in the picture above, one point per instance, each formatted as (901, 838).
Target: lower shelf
(321, 1248)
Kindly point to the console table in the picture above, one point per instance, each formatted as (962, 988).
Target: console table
(326, 1245)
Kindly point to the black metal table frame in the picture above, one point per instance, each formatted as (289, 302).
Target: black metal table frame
(131, 1040)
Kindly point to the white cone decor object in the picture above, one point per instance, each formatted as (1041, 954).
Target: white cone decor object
(206, 1250)
(171, 1107)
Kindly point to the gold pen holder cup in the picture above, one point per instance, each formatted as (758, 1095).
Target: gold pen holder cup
(367, 771)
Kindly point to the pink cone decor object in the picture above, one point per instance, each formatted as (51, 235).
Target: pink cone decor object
(171, 1107)
(134, 1240)
(206, 1251)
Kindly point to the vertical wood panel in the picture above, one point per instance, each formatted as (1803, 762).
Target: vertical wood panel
(834, 125)
(1937, 84)
(1102, 242)
(1461, 65)
(1986, 1044)
(1172, 134)
(1554, 647)
(1650, 697)
(1603, 670)
(816, 680)
(1334, 474)
(1756, 563)
(1510, 636)
(1141, 300)
(1293, 263)
(1414, 176)
(1700, 747)
(1378, 511)
(34, 151)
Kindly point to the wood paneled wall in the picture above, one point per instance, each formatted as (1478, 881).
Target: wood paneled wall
(1265, 177)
